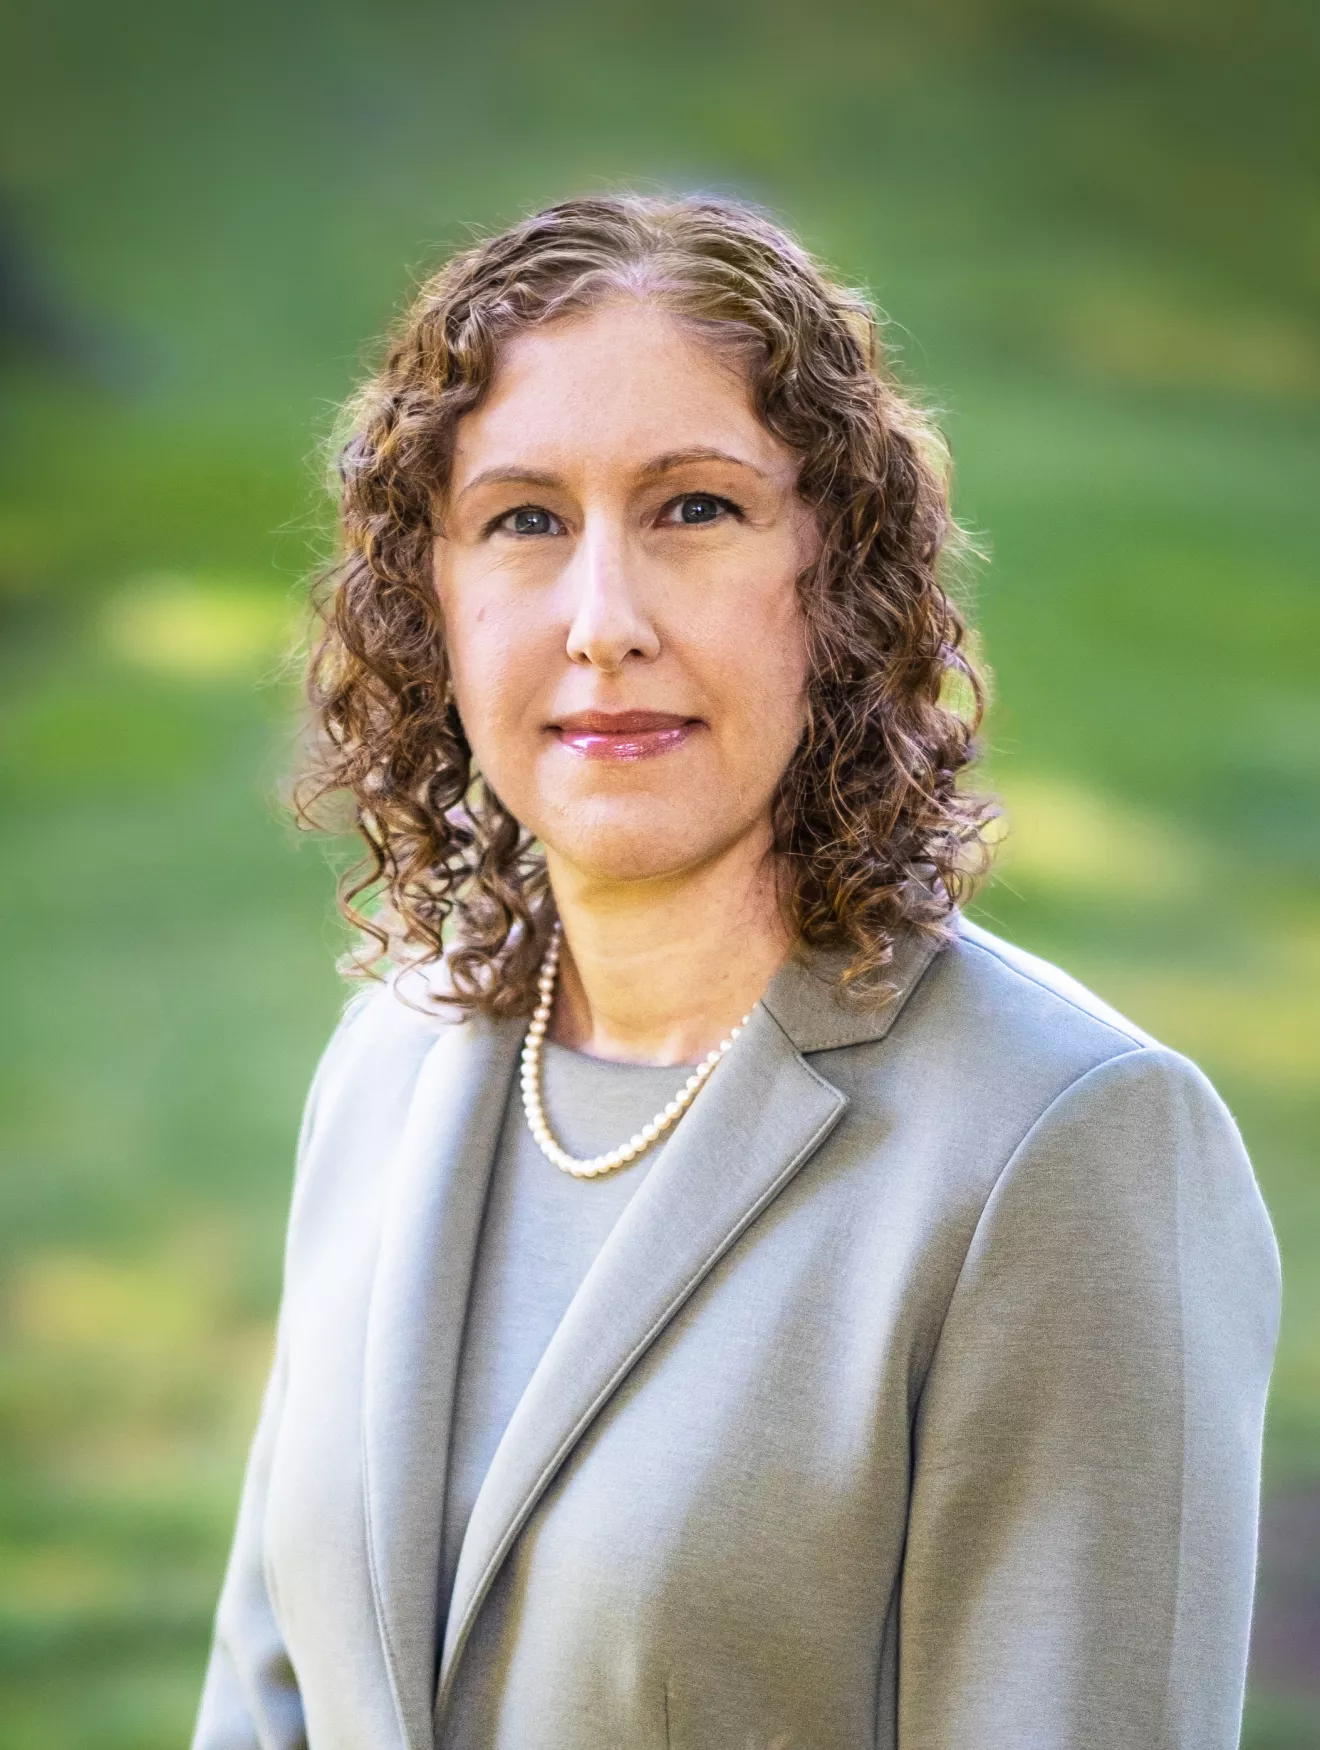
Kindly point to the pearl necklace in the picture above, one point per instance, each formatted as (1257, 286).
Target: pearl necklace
(636, 1144)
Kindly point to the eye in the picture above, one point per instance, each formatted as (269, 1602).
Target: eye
(528, 519)
(699, 507)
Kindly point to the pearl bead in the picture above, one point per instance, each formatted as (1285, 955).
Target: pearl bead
(530, 1078)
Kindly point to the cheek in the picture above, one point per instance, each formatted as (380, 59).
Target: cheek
(761, 671)
(495, 658)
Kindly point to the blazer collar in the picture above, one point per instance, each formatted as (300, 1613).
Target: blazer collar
(804, 996)
(762, 1117)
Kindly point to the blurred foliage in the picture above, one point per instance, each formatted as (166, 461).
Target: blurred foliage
(1096, 229)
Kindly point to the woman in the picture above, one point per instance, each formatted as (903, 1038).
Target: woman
(842, 1329)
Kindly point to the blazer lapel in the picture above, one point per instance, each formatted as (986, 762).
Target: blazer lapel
(414, 1336)
(763, 1114)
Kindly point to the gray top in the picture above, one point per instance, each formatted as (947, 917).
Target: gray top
(540, 1233)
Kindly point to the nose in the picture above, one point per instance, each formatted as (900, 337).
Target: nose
(609, 625)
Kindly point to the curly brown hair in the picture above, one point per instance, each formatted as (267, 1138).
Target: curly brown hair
(873, 834)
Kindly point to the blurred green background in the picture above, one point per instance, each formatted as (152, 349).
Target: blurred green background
(1096, 228)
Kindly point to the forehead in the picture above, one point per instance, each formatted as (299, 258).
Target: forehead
(624, 382)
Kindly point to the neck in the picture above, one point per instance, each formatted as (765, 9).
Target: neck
(658, 971)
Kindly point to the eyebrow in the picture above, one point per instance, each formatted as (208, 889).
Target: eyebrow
(515, 475)
(678, 458)
(512, 476)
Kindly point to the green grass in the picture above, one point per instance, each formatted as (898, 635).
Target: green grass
(1090, 225)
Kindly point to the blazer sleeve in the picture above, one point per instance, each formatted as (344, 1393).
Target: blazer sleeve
(250, 1699)
(1082, 1527)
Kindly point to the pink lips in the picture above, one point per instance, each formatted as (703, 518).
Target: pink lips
(623, 735)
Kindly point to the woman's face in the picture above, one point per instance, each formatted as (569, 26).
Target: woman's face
(617, 576)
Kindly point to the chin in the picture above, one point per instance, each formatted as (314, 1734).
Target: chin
(617, 857)
(638, 843)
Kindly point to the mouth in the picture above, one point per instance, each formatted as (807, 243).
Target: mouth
(623, 735)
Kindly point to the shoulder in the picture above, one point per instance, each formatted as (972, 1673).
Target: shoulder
(981, 1027)
(1086, 1137)
(1027, 999)
(1006, 1012)
(1131, 1189)
(1118, 1120)
(369, 1067)
(991, 1046)
(1005, 1007)
(398, 1012)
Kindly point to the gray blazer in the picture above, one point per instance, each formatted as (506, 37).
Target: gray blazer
(915, 1400)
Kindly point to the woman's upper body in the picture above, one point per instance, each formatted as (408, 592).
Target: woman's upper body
(914, 1396)
(914, 1399)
